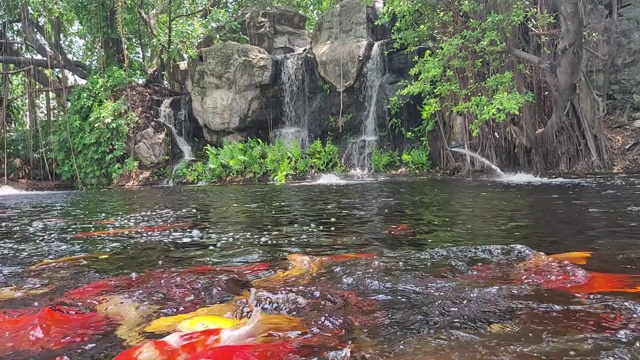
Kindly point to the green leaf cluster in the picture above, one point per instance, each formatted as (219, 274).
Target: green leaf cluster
(254, 160)
(416, 159)
(89, 140)
(465, 71)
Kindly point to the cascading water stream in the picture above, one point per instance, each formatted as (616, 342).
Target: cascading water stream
(295, 128)
(360, 149)
(480, 158)
(179, 129)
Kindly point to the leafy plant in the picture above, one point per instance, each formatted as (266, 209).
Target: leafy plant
(89, 141)
(382, 161)
(253, 159)
(466, 72)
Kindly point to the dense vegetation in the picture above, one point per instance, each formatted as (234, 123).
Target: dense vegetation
(489, 64)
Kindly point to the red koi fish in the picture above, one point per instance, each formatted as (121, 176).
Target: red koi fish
(153, 228)
(24, 330)
(267, 351)
(402, 229)
(178, 346)
(178, 280)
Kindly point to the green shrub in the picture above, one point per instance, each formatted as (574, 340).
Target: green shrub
(383, 161)
(254, 159)
(89, 140)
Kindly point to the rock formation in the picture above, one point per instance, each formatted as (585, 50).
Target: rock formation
(226, 86)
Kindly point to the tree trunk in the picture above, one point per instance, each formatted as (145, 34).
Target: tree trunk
(112, 44)
(576, 123)
(574, 135)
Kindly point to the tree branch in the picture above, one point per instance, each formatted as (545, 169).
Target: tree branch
(27, 61)
(530, 58)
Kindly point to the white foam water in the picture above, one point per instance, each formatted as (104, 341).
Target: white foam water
(8, 190)
(525, 178)
(332, 179)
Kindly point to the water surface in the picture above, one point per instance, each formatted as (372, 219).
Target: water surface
(430, 312)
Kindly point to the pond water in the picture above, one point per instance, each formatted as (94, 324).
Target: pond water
(426, 305)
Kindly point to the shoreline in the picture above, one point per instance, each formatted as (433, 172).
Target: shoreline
(57, 185)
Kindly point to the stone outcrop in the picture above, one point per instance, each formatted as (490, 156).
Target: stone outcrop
(279, 30)
(150, 147)
(225, 85)
(342, 40)
(624, 81)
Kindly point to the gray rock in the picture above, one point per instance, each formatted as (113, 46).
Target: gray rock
(150, 147)
(279, 30)
(625, 66)
(342, 41)
(225, 86)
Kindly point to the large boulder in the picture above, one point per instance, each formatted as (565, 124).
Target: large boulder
(150, 147)
(279, 30)
(225, 85)
(342, 40)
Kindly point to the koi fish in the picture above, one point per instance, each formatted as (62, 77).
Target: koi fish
(205, 322)
(210, 317)
(559, 272)
(576, 257)
(170, 323)
(49, 328)
(266, 351)
(307, 266)
(153, 228)
(68, 260)
(178, 346)
(155, 279)
(12, 292)
(402, 229)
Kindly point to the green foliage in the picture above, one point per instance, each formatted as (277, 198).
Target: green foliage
(466, 73)
(416, 159)
(383, 161)
(89, 140)
(254, 159)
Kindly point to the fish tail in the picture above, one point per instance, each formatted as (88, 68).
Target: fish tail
(603, 282)
(244, 334)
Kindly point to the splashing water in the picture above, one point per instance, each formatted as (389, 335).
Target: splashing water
(360, 149)
(8, 190)
(295, 116)
(178, 126)
(517, 178)
(480, 158)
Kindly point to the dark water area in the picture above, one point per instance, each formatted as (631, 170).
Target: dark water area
(426, 305)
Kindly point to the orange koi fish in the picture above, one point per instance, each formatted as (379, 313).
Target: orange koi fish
(576, 257)
(559, 272)
(68, 260)
(153, 228)
(302, 267)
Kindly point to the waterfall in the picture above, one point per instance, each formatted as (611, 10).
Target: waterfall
(178, 123)
(295, 127)
(360, 149)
